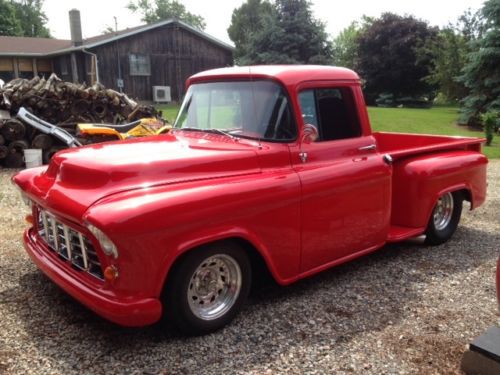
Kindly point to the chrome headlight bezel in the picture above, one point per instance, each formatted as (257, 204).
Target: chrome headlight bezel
(107, 246)
(24, 198)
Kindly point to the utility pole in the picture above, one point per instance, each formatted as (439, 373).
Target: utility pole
(119, 81)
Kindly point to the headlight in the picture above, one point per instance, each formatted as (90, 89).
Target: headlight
(24, 197)
(26, 201)
(107, 245)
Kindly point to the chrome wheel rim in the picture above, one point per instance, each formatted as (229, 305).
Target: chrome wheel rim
(443, 211)
(214, 287)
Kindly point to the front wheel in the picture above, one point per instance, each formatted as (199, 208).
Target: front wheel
(207, 288)
(444, 219)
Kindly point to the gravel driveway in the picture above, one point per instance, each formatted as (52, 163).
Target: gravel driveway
(407, 308)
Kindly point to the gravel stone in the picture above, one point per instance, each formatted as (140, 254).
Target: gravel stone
(407, 308)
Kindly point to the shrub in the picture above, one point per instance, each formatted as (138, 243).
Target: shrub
(491, 125)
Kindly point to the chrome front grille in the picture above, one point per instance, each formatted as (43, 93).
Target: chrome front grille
(70, 245)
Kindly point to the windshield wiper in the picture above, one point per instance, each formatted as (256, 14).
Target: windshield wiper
(216, 131)
(219, 131)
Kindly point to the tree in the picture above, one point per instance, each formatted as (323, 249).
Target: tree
(246, 21)
(481, 75)
(289, 35)
(449, 50)
(108, 30)
(31, 18)
(157, 10)
(471, 25)
(389, 57)
(9, 24)
(345, 45)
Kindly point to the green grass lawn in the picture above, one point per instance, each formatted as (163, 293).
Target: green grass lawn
(437, 120)
(169, 111)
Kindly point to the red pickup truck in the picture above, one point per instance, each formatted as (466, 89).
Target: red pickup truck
(272, 165)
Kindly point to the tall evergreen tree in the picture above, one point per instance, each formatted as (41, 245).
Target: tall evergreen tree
(289, 35)
(481, 75)
(246, 21)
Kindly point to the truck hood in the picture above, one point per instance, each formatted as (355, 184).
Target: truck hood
(76, 178)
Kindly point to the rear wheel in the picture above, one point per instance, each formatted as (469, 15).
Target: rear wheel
(207, 288)
(444, 219)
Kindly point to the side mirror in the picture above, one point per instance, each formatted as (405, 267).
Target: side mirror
(309, 134)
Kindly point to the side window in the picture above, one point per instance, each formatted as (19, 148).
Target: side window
(332, 111)
(308, 107)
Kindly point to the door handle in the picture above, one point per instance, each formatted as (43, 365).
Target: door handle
(368, 148)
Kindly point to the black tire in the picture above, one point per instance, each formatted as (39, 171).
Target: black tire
(437, 234)
(218, 262)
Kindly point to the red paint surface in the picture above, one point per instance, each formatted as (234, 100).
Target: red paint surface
(159, 197)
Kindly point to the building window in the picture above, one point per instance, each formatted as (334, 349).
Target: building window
(64, 65)
(140, 64)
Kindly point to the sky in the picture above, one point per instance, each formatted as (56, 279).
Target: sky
(98, 14)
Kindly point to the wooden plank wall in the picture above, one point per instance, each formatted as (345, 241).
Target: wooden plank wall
(175, 54)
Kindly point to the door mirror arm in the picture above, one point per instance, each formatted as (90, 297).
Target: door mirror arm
(308, 135)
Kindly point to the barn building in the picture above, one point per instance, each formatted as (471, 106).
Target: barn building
(141, 61)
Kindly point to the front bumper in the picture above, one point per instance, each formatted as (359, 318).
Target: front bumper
(126, 311)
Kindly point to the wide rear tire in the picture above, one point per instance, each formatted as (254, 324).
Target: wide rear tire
(444, 218)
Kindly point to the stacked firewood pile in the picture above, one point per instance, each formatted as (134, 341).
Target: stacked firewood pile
(61, 103)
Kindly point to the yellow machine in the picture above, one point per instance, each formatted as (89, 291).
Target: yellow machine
(106, 132)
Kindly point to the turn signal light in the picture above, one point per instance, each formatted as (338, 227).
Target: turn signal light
(111, 273)
(29, 219)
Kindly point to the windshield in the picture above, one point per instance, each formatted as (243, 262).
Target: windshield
(249, 109)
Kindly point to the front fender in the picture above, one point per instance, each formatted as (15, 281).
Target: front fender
(153, 227)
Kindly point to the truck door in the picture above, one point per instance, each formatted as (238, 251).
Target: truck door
(346, 185)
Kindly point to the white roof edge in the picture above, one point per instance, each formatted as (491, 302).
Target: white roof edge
(23, 54)
(143, 29)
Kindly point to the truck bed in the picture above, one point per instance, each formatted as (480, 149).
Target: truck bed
(400, 145)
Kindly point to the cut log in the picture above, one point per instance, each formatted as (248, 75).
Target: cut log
(4, 115)
(80, 107)
(18, 146)
(14, 160)
(42, 141)
(47, 154)
(63, 104)
(13, 130)
(100, 109)
(4, 151)
(133, 113)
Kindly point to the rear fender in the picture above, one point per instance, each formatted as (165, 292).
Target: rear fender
(419, 181)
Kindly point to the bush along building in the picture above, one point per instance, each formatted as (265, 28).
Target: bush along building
(149, 62)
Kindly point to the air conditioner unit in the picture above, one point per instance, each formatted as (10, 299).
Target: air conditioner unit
(161, 94)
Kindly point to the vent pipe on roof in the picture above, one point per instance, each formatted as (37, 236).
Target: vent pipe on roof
(75, 26)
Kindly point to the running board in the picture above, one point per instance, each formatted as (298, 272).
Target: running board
(397, 233)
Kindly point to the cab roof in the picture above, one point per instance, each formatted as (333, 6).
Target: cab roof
(287, 74)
